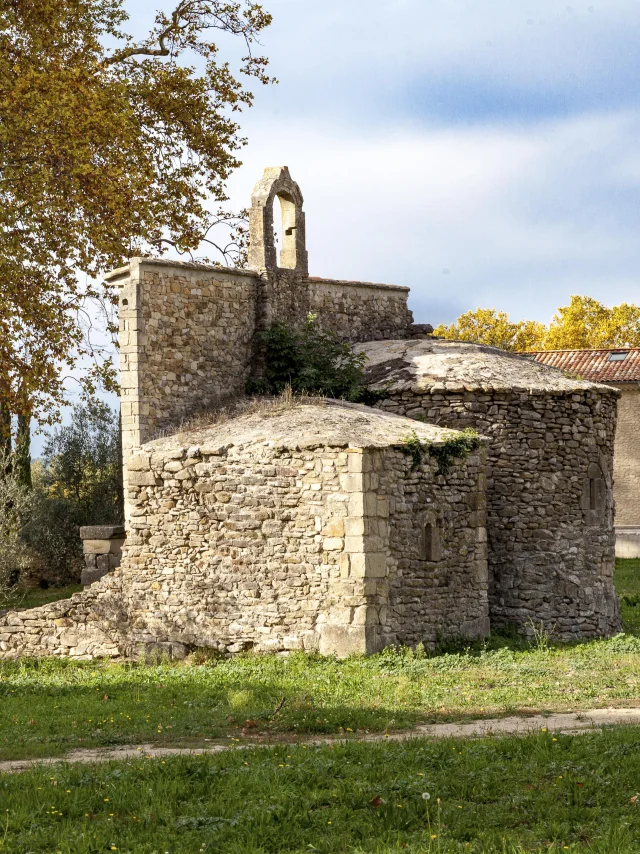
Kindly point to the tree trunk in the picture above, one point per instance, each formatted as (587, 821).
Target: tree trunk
(5, 430)
(23, 450)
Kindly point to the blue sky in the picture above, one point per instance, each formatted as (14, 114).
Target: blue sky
(483, 152)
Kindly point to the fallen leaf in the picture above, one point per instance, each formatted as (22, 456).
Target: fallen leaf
(377, 802)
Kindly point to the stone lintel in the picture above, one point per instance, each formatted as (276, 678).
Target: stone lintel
(102, 532)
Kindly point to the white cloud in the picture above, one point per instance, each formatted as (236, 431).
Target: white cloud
(521, 218)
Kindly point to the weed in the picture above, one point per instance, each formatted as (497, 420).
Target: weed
(454, 446)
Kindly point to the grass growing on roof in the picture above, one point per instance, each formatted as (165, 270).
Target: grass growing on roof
(541, 793)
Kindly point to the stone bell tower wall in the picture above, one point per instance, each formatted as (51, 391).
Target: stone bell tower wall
(186, 338)
(188, 331)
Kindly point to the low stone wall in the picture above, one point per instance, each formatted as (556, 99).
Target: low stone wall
(102, 549)
(91, 624)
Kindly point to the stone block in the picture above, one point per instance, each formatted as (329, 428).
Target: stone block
(141, 478)
(88, 576)
(102, 532)
(96, 547)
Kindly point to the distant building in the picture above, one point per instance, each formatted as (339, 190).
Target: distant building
(619, 368)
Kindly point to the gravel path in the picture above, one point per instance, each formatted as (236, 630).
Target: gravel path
(576, 723)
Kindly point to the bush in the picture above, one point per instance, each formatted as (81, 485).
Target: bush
(311, 361)
(78, 482)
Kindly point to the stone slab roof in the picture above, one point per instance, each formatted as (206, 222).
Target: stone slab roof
(604, 366)
(425, 364)
(329, 424)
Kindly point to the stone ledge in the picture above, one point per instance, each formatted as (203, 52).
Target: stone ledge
(102, 532)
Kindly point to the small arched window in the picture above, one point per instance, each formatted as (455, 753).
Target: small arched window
(431, 540)
(594, 493)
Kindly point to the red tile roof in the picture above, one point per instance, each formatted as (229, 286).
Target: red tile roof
(594, 365)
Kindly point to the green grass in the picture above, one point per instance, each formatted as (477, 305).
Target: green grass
(627, 582)
(542, 793)
(50, 706)
(34, 597)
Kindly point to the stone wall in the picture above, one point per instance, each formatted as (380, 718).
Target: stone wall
(91, 624)
(626, 464)
(304, 550)
(438, 583)
(277, 532)
(186, 341)
(550, 511)
(360, 311)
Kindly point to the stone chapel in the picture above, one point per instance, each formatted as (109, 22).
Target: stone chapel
(309, 524)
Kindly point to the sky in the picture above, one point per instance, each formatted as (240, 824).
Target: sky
(483, 152)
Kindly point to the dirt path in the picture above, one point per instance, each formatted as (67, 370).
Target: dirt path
(576, 723)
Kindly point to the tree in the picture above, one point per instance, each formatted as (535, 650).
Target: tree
(108, 148)
(583, 324)
(15, 505)
(79, 482)
(491, 327)
(309, 360)
(588, 324)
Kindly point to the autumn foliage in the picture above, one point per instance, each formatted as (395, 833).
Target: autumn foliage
(583, 324)
(109, 147)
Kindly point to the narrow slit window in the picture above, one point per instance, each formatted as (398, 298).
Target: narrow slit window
(431, 541)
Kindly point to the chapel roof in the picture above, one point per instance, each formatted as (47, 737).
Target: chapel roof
(621, 365)
(326, 423)
(424, 364)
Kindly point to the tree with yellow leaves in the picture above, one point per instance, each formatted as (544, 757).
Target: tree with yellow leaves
(109, 147)
(488, 326)
(583, 324)
(588, 324)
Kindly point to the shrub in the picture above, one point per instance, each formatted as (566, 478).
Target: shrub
(310, 360)
(78, 482)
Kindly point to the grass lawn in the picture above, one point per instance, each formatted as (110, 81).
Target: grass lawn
(36, 596)
(627, 581)
(50, 706)
(547, 792)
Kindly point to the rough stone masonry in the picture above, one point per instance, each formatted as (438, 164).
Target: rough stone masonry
(312, 527)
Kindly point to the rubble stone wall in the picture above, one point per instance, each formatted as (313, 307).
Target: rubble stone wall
(550, 507)
(437, 588)
(91, 624)
(302, 549)
(360, 311)
(186, 342)
(187, 332)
